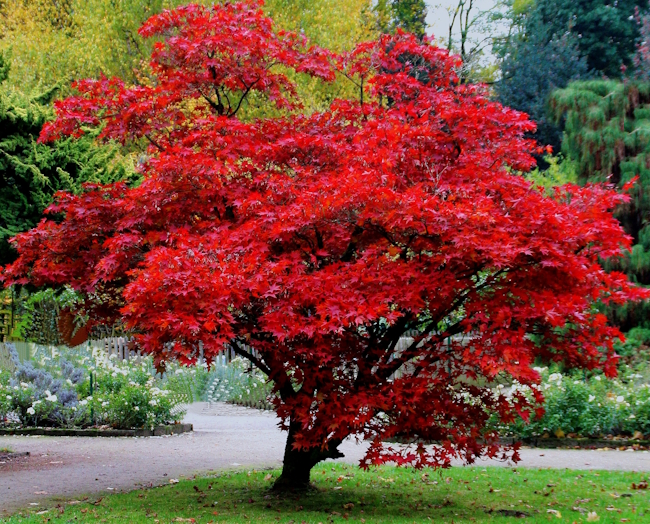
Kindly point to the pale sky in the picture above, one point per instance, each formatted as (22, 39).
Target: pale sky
(438, 22)
(438, 17)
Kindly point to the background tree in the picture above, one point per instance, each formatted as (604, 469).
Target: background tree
(554, 42)
(31, 173)
(407, 15)
(606, 30)
(607, 136)
(473, 30)
(641, 59)
(322, 239)
(59, 41)
(534, 64)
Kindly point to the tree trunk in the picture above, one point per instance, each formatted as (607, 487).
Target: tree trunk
(297, 464)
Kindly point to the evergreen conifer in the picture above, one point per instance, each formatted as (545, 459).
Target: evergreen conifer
(607, 136)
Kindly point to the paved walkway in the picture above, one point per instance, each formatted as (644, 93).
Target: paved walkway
(66, 468)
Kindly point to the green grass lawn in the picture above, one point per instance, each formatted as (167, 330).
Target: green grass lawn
(347, 494)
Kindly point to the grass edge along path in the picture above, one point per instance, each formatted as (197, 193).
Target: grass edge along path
(347, 494)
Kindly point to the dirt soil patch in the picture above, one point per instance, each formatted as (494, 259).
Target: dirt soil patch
(10, 461)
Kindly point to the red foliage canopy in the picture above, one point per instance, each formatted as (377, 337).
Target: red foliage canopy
(323, 240)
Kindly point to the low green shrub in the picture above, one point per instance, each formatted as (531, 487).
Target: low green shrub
(130, 399)
(593, 406)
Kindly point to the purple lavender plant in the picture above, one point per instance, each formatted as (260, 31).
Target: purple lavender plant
(41, 399)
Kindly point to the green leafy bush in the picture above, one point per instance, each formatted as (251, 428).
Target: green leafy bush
(581, 406)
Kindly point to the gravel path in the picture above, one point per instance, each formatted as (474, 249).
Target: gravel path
(66, 468)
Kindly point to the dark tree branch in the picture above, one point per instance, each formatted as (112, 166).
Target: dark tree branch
(248, 89)
(352, 246)
(276, 371)
(218, 107)
(410, 352)
(154, 143)
(243, 353)
(319, 239)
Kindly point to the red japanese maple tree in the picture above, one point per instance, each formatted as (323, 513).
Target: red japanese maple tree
(323, 240)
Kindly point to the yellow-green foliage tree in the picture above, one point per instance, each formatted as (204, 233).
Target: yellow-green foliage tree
(58, 41)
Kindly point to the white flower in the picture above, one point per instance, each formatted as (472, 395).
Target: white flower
(620, 399)
(50, 397)
(597, 377)
(24, 385)
(632, 416)
(592, 398)
(104, 404)
(136, 408)
(153, 402)
(555, 377)
(36, 402)
(69, 382)
(8, 397)
(31, 410)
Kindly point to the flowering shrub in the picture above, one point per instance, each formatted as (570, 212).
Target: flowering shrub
(594, 406)
(37, 397)
(5, 395)
(55, 391)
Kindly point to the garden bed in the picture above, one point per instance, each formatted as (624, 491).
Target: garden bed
(172, 429)
(75, 391)
(582, 443)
